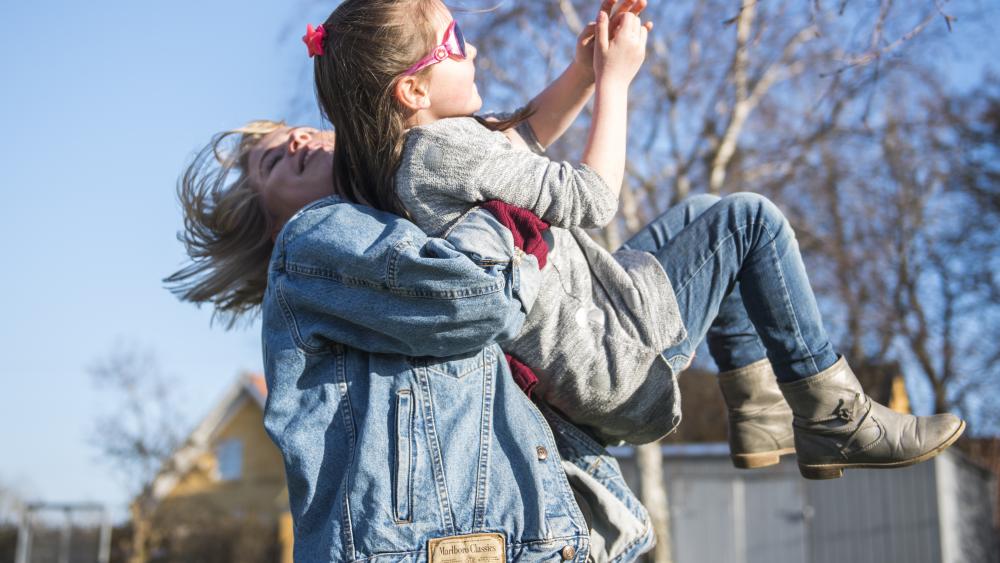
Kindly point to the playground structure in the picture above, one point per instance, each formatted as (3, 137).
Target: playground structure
(64, 533)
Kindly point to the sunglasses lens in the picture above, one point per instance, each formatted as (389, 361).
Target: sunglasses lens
(460, 39)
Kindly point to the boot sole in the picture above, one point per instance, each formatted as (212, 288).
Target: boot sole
(836, 470)
(762, 459)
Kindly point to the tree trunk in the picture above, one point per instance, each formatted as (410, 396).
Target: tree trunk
(140, 530)
(649, 458)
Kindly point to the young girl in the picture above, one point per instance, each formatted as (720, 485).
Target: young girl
(608, 331)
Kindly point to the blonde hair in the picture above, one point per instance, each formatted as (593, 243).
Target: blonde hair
(227, 232)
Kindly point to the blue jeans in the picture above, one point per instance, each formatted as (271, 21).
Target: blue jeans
(739, 280)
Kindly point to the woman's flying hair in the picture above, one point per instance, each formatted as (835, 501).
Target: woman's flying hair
(227, 233)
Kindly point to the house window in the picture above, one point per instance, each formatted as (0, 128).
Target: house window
(229, 454)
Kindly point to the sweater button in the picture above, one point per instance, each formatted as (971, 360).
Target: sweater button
(568, 552)
(543, 454)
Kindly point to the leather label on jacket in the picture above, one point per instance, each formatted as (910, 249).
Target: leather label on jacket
(470, 548)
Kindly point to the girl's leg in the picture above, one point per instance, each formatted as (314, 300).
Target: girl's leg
(759, 420)
(742, 244)
(732, 339)
(745, 239)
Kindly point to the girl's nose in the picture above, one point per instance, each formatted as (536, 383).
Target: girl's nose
(297, 139)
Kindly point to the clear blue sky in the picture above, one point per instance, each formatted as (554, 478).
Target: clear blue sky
(101, 104)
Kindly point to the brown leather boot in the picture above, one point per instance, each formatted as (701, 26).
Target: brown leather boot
(760, 422)
(838, 427)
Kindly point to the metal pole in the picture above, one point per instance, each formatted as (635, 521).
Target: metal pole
(66, 534)
(104, 554)
(23, 537)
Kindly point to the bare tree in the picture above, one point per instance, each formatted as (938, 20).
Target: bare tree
(895, 225)
(138, 438)
(838, 111)
(649, 459)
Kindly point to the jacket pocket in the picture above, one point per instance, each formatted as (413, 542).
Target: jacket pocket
(457, 367)
(404, 455)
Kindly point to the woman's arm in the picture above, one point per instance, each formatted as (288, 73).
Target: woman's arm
(349, 274)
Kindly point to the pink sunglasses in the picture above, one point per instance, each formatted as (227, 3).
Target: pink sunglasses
(453, 46)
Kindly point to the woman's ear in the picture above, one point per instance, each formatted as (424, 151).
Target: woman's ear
(412, 93)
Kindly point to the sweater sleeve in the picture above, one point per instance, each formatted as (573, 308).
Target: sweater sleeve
(458, 162)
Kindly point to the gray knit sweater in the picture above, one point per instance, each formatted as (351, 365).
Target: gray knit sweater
(601, 320)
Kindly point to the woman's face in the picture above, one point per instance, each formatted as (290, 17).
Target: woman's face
(292, 167)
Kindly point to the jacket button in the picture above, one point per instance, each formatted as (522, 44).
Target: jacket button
(543, 454)
(568, 552)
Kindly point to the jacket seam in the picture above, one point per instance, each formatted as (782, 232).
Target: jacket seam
(348, 415)
(626, 551)
(390, 264)
(293, 325)
(485, 443)
(579, 439)
(434, 450)
(327, 274)
(566, 490)
(431, 365)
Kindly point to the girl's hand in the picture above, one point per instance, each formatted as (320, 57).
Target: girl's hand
(584, 57)
(619, 58)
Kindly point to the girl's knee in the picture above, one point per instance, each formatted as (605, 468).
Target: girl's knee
(755, 205)
(693, 206)
(700, 202)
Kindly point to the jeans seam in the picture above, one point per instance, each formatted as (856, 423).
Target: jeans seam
(672, 361)
(786, 298)
(777, 266)
(714, 251)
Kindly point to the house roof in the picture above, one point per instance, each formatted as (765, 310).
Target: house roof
(248, 386)
(260, 385)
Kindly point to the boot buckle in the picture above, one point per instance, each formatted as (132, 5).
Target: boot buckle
(843, 413)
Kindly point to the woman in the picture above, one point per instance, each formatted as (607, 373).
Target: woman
(403, 434)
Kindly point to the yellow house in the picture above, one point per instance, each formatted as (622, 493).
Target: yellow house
(222, 496)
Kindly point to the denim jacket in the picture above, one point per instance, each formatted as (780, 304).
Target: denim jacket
(403, 434)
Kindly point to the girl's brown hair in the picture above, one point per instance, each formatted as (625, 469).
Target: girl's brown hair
(227, 232)
(368, 46)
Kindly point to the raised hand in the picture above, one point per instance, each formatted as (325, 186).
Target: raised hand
(584, 56)
(619, 57)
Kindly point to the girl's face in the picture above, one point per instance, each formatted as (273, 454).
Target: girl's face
(292, 167)
(452, 85)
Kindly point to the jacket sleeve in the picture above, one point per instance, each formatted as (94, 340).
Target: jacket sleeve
(456, 161)
(375, 282)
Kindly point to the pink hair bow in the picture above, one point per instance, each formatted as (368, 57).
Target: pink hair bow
(314, 39)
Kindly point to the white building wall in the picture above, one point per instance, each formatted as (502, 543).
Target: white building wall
(935, 512)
